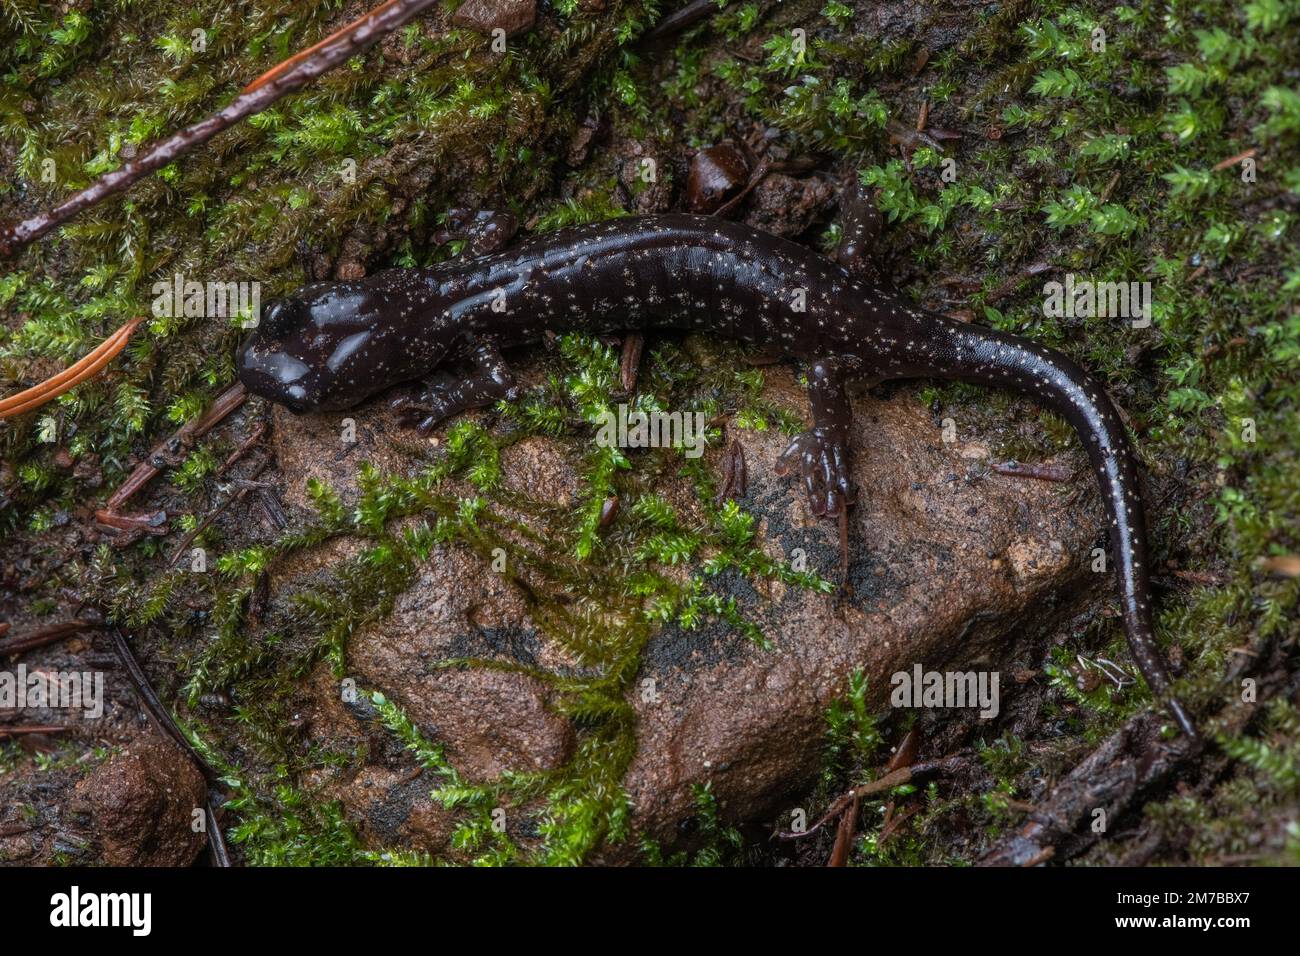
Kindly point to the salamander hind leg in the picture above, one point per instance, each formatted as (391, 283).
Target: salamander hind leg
(822, 459)
(861, 226)
(491, 382)
(821, 454)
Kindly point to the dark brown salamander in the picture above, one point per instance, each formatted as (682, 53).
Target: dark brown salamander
(333, 344)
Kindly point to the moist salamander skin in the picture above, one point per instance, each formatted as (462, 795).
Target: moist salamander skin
(333, 344)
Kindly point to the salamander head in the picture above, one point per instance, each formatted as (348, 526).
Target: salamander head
(328, 346)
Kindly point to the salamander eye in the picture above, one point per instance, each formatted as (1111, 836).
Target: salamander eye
(280, 317)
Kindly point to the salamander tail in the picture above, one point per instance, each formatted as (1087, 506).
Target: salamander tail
(994, 358)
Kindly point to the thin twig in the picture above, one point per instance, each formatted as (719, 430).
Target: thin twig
(1057, 473)
(844, 833)
(157, 710)
(31, 729)
(895, 778)
(1234, 160)
(837, 807)
(162, 718)
(1039, 858)
(165, 451)
(302, 69)
(1011, 284)
(1110, 187)
(244, 488)
(218, 852)
(258, 431)
(45, 635)
(681, 18)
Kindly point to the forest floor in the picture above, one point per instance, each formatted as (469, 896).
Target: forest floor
(1006, 144)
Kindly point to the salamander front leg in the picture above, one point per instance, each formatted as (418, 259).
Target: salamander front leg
(492, 382)
(485, 231)
(822, 453)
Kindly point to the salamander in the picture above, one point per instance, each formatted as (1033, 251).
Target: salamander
(331, 345)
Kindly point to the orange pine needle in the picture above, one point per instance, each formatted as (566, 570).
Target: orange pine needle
(86, 368)
(72, 370)
(286, 65)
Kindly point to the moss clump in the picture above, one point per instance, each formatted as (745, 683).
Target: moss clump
(596, 592)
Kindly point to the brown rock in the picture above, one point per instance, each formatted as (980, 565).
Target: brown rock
(584, 137)
(752, 721)
(350, 270)
(512, 16)
(538, 467)
(16, 848)
(949, 566)
(785, 206)
(316, 446)
(394, 809)
(142, 803)
(490, 721)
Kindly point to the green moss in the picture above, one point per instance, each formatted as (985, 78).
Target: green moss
(1111, 174)
(563, 560)
(1049, 120)
(717, 843)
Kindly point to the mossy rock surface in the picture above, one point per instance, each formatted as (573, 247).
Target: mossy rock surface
(950, 566)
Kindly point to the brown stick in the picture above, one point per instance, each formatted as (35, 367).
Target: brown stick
(212, 516)
(32, 729)
(301, 70)
(844, 834)
(147, 470)
(286, 65)
(762, 168)
(1113, 777)
(1110, 187)
(1282, 565)
(904, 756)
(895, 778)
(1039, 858)
(253, 438)
(909, 138)
(682, 18)
(1010, 285)
(45, 635)
(832, 812)
(1057, 473)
